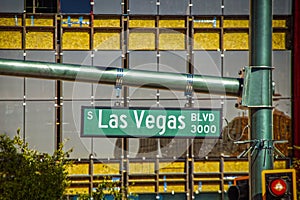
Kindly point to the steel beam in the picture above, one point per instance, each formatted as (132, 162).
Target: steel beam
(260, 111)
(135, 78)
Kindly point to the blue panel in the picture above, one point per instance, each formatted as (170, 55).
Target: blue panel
(108, 7)
(75, 6)
(206, 7)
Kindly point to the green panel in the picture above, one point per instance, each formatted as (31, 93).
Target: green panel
(146, 122)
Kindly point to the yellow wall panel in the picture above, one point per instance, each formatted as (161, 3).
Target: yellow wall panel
(39, 40)
(10, 21)
(111, 168)
(207, 41)
(138, 40)
(279, 23)
(145, 168)
(236, 166)
(74, 191)
(235, 41)
(39, 21)
(170, 188)
(77, 40)
(10, 39)
(280, 164)
(141, 188)
(171, 41)
(234, 23)
(142, 23)
(171, 23)
(206, 166)
(171, 167)
(107, 22)
(78, 169)
(107, 40)
(207, 187)
(278, 41)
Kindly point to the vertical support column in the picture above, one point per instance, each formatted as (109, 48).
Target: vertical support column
(261, 122)
(58, 84)
(156, 176)
(190, 170)
(125, 141)
(91, 173)
(58, 113)
(24, 79)
(187, 175)
(296, 80)
(92, 25)
(222, 183)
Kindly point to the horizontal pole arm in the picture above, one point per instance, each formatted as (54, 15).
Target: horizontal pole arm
(109, 75)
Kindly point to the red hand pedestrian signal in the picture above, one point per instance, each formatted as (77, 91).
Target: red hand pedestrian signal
(279, 184)
(278, 187)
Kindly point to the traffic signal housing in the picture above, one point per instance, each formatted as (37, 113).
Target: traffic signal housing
(240, 189)
(279, 184)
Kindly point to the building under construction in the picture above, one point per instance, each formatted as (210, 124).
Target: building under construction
(211, 38)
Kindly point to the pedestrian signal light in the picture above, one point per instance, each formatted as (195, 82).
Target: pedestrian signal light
(279, 184)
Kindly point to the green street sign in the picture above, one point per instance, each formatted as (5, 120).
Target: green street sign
(150, 122)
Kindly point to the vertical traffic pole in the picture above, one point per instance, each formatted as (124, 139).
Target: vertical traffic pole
(260, 112)
(296, 81)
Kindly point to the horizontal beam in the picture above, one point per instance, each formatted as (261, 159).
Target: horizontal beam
(111, 75)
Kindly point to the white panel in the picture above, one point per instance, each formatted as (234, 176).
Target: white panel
(282, 75)
(71, 129)
(11, 115)
(11, 87)
(40, 125)
(77, 90)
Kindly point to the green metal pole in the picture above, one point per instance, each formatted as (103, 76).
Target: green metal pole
(110, 75)
(261, 120)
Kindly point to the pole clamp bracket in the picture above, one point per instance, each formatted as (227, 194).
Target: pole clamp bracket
(262, 144)
(189, 90)
(189, 85)
(119, 82)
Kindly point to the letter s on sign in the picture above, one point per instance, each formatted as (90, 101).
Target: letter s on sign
(90, 115)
